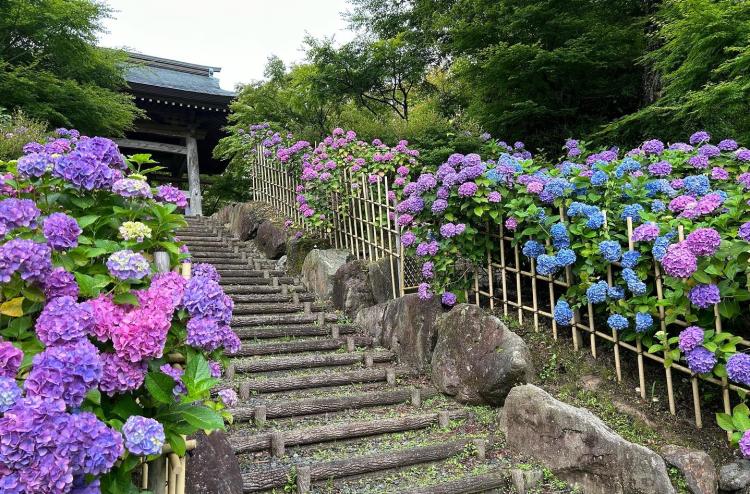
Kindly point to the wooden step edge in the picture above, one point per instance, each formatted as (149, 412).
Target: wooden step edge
(259, 479)
(469, 484)
(311, 361)
(341, 431)
(302, 345)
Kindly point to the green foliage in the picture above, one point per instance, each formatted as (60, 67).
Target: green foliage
(51, 68)
(16, 130)
(703, 63)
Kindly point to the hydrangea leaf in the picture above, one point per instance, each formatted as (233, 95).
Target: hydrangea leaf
(13, 307)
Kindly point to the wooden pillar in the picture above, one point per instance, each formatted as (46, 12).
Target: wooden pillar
(194, 180)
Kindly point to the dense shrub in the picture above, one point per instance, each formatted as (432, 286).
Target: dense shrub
(91, 337)
(15, 131)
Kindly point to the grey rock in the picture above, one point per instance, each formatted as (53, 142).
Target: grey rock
(477, 359)
(579, 448)
(735, 476)
(281, 263)
(212, 466)
(319, 268)
(405, 325)
(351, 288)
(526, 481)
(298, 248)
(271, 239)
(381, 279)
(696, 466)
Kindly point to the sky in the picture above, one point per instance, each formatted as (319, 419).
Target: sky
(236, 35)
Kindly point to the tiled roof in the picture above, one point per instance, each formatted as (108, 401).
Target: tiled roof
(172, 74)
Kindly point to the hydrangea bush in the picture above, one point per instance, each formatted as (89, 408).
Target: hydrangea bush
(102, 360)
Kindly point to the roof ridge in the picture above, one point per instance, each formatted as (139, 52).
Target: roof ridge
(176, 65)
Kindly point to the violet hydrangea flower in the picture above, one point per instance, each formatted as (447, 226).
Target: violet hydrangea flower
(61, 231)
(168, 193)
(205, 270)
(704, 296)
(738, 368)
(17, 213)
(131, 188)
(700, 360)
(690, 338)
(63, 320)
(228, 397)
(93, 447)
(120, 375)
(10, 359)
(126, 265)
(703, 241)
(204, 333)
(679, 261)
(9, 393)
(143, 436)
(60, 282)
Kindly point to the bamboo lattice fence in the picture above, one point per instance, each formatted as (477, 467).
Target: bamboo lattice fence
(507, 281)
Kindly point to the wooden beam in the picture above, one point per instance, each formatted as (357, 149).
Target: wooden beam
(165, 130)
(151, 146)
(194, 179)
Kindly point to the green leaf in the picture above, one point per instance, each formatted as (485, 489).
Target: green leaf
(94, 396)
(176, 441)
(87, 220)
(725, 422)
(160, 386)
(86, 285)
(201, 417)
(126, 298)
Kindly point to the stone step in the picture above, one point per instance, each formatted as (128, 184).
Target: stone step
(293, 330)
(258, 479)
(273, 320)
(249, 272)
(277, 308)
(339, 431)
(316, 380)
(253, 289)
(301, 345)
(267, 298)
(269, 364)
(250, 280)
(215, 255)
(497, 481)
(329, 404)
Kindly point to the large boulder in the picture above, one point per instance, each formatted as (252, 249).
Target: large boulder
(271, 239)
(298, 248)
(578, 447)
(696, 466)
(212, 466)
(735, 476)
(477, 358)
(319, 268)
(405, 325)
(245, 219)
(381, 278)
(351, 288)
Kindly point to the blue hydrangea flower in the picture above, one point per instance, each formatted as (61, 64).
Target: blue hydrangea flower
(659, 249)
(565, 257)
(560, 238)
(143, 436)
(547, 265)
(635, 285)
(627, 165)
(632, 211)
(697, 185)
(597, 293)
(643, 322)
(9, 393)
(563, 313)
(599, 178)
(617, 322)
(658, 206)
(610, 250)
(630, 258)
(533, 249)
(616, 292)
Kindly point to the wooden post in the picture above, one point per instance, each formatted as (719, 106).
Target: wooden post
(194, 179)
(161, 259)
(303, 480)
(157, 476)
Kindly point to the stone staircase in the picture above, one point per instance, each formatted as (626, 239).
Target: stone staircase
(324, 410)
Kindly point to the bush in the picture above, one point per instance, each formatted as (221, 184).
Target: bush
(16, 130)
(104, 361)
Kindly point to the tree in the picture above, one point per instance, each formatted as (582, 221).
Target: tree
(51, 68)
(703, 62)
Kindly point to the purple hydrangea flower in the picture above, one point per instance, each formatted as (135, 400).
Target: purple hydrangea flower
(17, 213)
(647, 232)
(700, 137)
(63, 320)
(744, 231)
(424, 291)
(660, 168)
(60, 282)
(204, 333)
(467, 189)
(61, 231)
(131, 187)
(10, 359)
(176, 374)
(93, 447)
(704, 296)
(703, 241)
(168, 193)
(699, 161)
(215, 369)
(228, 397)
(204, 297)
(30, 259)
(449, 299)
(679, 261)
(439, 206)
(84, 171)
(742, 154)
(690, 338)
(511, 224)
(738, 368)
(744, 444)
(206, 271)
(34, 164)
(653, 146)
(494, 197)
(9, 393)
(127, 265)
(143, 436)
(104, 149)
(728, 145)
(700, 360)
(407, 239)
(120, 375)
(427, 270)
(65, 372)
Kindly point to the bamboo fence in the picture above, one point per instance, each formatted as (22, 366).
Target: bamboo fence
(507, 281)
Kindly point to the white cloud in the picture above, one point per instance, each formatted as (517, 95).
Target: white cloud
(236, 35)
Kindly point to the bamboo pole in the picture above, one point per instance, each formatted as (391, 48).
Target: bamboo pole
(638, 342)
(615, 335)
